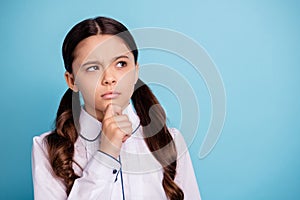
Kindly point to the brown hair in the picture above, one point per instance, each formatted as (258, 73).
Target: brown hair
(157, 137)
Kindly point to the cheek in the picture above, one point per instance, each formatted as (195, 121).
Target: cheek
(127, 78)
(87, 86)
(126, 84)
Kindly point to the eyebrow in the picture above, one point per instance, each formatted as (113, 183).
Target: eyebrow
(99, 63)
(118, 57)
(91, 62)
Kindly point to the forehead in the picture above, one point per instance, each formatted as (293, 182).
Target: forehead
(99, 47)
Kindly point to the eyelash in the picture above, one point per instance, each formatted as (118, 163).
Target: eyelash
(123, 63)
(93, 68)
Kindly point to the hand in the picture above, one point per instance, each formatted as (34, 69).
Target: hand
(116, 128)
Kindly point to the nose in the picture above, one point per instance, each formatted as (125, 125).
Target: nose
(108, 78)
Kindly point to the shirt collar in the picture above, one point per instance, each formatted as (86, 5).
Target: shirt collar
(90, 127)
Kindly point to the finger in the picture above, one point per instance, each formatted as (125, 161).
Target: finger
(126, 129)
(119, 118)
(112, 110)
(124, 126)
(116, 119)
(125, 138)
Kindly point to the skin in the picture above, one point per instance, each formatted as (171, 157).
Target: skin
(104, 72)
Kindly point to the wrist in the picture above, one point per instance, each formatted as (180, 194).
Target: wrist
(111, 152)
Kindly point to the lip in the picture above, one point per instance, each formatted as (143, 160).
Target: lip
(110, 95)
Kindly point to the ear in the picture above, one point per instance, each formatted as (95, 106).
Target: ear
(71, 81)
(136, 75)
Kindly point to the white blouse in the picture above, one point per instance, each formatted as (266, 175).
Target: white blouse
(136, 175)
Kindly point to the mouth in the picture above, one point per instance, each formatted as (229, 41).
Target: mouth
(110, 95)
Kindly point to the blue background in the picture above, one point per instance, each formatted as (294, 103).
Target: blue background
(255, 45)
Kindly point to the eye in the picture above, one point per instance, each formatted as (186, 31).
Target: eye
(92, 68)
(121, 64)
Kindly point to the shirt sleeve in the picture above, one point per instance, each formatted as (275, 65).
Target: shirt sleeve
(97, 180)
(185, 176)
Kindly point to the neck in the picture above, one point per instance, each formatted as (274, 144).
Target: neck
(97, 114)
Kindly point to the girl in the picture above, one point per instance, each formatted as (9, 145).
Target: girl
(116, 145)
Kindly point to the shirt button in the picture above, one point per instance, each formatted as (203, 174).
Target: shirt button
(115, 171)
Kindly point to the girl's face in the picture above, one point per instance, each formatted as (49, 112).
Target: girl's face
(104, 72)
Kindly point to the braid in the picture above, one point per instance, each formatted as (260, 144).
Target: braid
(61, 141)
(157, 136)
